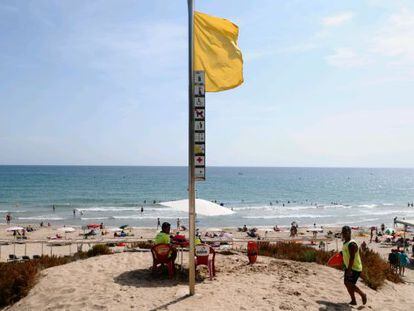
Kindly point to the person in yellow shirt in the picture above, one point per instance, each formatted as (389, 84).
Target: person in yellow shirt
(163, 237)
(353, 266)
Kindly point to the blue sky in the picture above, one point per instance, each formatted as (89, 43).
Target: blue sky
(327, 83)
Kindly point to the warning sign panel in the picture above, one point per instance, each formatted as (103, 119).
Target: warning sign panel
(199, 125)
(200, 173)
(199, 149)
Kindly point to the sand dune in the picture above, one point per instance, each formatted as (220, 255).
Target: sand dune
(123, 282)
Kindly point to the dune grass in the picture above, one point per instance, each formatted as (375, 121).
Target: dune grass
(375, 269)
(17, 278)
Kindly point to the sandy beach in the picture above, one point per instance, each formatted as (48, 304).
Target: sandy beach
(123, 281)
(271, 144)
(42, 234)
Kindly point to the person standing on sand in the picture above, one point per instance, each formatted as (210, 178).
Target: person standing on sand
(8, 218)
(372, 234)
(353, 266)
(158, 223)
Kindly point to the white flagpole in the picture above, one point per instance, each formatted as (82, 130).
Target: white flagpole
(191, 168)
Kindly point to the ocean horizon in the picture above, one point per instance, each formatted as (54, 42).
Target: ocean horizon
(259, 196)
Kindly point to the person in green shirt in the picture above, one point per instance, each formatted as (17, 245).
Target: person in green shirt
(163, 237)
(353, 266)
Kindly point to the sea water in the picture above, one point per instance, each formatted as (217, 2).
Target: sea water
(258, 196)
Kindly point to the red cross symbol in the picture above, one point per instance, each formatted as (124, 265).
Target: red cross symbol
(199, 159)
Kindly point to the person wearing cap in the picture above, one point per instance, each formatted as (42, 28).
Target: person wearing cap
(353, 266)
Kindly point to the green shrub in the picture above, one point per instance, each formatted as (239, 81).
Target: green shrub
(309, 256)
(143, 244)
(17, 278)
(376, 270)
(99, 249)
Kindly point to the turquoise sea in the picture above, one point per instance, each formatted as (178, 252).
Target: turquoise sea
(259, 196)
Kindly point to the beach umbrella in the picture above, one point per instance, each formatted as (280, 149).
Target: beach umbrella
(14, 243)
(202, 207)
(115, 229)
(67, 229)
(214, 230)
(14, 228)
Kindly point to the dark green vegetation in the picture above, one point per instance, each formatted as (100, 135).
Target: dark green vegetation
(375, 269)
(17, 278)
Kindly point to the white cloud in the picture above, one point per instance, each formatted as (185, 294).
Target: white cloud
(396, 38)
(346, 58)
(337, 19)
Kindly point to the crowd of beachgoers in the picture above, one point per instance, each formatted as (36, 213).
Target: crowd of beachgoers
(26, 241)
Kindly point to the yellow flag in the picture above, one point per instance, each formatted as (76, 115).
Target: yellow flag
(216, 52)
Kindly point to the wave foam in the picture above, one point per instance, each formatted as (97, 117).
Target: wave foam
(146, 217)
(116, 209)
(368, 205)
(287, 216)
(41, 218)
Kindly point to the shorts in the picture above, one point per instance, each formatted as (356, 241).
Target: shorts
(352, 278)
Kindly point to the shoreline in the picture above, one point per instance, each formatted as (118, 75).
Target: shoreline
(39, 238)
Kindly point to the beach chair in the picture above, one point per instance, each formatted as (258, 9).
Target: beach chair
(205, 256)
(162, 255)
(13, 257)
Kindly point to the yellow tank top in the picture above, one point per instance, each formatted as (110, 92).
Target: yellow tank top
(357, 266)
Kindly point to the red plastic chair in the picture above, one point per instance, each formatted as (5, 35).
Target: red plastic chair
(252, 251)
(161, 254)
(205, 256)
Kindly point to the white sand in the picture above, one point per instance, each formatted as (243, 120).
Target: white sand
(123, 282)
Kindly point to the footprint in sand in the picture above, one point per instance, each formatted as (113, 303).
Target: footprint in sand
(66, 291)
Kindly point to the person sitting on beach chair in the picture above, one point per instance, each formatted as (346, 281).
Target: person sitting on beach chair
(56, 237)
(243, 229)
(252, 233)
(163, 237)
(90, 233)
